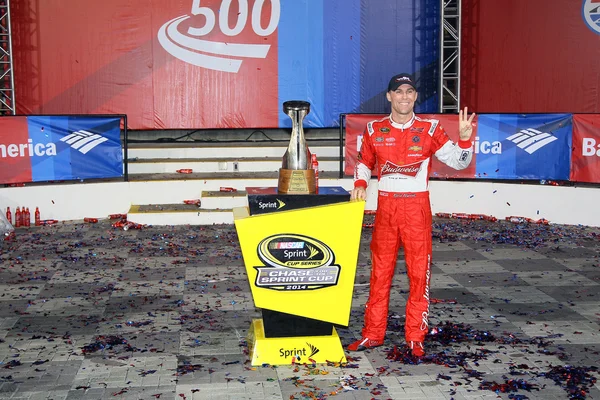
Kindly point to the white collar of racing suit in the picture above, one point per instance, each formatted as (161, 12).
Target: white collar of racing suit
(403, 126)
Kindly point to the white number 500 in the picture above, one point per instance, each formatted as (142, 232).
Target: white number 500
(241, 21)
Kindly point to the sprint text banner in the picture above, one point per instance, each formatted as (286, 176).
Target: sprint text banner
(50, 148)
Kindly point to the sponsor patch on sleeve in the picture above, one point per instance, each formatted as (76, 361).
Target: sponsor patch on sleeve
(370, 128)
(434, 124)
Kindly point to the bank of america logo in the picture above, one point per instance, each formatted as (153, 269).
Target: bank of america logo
(591, 14)
(83, 141)
(531, 139)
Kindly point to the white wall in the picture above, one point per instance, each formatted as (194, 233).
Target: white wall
(558, 204)
(69, 201)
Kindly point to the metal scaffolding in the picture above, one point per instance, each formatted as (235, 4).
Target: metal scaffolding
(450, 57)
(7, 82)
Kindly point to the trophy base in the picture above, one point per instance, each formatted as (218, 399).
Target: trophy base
(297, 181)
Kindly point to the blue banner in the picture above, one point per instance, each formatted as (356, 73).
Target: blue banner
(75, 147)
(523, 146)
(340, 54)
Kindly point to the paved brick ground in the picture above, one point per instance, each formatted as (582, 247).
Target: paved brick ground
(93, 312)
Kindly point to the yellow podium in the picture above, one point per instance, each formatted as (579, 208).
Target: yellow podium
(301, 266)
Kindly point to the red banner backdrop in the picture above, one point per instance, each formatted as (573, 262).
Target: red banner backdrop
(585, 158)
(355, 127)
(526, 56)
(13, 136)
(88, 57)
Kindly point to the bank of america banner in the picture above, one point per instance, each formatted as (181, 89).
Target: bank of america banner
(220, 63)
(507, 146)
(524, 146)
(585, 165)
(50, 148)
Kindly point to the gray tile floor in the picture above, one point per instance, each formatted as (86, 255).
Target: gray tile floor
(88, 311)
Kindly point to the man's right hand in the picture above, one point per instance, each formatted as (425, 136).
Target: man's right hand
(358, 193)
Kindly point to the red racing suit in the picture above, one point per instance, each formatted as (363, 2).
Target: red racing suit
(402, 154)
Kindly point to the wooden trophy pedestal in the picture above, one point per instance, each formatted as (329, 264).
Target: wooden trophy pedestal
(297, 181)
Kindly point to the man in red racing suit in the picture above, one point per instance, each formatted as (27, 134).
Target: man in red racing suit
(401, 145)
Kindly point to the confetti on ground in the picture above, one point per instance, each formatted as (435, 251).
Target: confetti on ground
(163, 312)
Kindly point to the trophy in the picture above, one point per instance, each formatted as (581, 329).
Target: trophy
(296, 175)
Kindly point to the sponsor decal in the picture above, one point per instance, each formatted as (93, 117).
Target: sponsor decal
(299, 352)
(417, 130)
(192, 47)
(390, 139)
(295, 262)
(378, 139)
(370, 128)
(464, 155)
(486, 147)
(384, 130)
(313, 349)
(403, 79)
(416, 139)
(589, 148)
(14, 150)
(434, 124)
(591, 14)
(273, 205)
(389, 168)
(425, 314)
(415, 148)
(83, 141)
(531, 140)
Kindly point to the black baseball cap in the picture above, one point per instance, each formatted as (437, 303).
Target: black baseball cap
(401, 79)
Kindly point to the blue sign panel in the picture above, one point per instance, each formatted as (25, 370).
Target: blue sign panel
(75, 147)
(523, 146)
(339, 55)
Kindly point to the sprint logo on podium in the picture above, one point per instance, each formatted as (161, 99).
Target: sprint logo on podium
(299, 354)
(292, 350)
(531, 140)
(83, 140)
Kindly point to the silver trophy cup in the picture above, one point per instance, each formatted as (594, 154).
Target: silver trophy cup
(297, 155)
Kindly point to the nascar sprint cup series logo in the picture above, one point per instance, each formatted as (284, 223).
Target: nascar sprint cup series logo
(295, 262)
(591, 14)
(187, 42)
